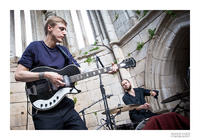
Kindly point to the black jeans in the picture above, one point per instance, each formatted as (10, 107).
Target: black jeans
(63, 117)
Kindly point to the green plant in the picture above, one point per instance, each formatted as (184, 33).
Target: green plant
(151, 33)
(88, 60)
(95, 43)
(95, 113)
(138, 12)
(116, 16)
(129, 54)
(139, 45)
(85, 53)
(115, 61)
(75, 100)
(145, 12)
(94, 49)
(171, 13)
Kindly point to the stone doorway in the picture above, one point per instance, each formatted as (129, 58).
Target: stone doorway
(168, 60)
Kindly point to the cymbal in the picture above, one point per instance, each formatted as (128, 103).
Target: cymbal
(122, 108)
(176, 97)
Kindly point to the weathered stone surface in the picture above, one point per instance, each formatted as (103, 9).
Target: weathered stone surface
(18, 114)
(17, 87)
(18, 97)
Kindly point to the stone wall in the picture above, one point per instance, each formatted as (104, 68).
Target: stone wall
(18, 102)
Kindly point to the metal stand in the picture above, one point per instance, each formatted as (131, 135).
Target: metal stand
(108, 120)
(83, 110)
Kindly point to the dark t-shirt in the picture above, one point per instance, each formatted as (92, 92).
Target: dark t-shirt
(38, 54)
(139, 98)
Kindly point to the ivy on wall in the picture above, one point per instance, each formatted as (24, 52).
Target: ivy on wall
(151, 35)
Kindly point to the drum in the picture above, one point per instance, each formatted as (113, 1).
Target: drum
(128, 126)
(141, 124)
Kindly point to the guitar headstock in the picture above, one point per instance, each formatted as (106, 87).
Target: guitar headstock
(127, 63)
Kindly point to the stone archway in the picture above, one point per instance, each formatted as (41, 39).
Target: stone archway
(168, 59)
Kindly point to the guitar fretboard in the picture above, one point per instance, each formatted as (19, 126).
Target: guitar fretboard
(82, 76)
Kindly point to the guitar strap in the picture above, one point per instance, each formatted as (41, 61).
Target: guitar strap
(65, 55)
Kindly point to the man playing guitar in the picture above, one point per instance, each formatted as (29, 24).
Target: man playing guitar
(47, 53)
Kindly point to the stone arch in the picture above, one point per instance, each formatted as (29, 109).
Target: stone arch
(168, 58)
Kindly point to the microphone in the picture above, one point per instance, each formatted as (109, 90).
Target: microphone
(156, 91)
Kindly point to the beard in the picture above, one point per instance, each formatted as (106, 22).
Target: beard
(129, 88)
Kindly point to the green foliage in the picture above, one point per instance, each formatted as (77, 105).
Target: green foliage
(145, 12)
(139, 45)
(94, 49)
(171, 13)
(141, 14)
(115, 61)
(95, 113)
(85, 53)
(138, 12)
(116, 16)
(89, 60)
(95, 43)
(129, 54)
(151, 33)
(75, 100)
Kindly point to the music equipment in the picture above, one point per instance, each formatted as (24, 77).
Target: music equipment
(178, 96)
(44, 95)
(127, 126)
(122, 108)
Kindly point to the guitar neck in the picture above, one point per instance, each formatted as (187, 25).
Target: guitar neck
(83, 76)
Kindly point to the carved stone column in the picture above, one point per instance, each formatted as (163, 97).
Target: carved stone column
(85, 37)
(23, 30)
(37, 22)
(12, 34)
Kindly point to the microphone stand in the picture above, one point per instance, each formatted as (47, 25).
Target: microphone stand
(109, 123)
(83, 110)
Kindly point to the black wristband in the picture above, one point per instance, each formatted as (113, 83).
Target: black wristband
(41, 75)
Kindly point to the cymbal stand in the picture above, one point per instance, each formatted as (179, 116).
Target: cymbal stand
(113, 121)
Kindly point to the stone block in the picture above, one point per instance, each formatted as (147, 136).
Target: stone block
(140, 54)
(116, 88)
(12, 77)
(131, 46)
(81, 86)
(91, 120)
(92, 84)
(17, 87)
(18, 114)
(140, 79)
(140, 67)
(18, 97)
(168, 81)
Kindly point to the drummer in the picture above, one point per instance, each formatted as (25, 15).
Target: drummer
(137, 96)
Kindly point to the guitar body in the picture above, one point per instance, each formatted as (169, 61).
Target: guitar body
(42, 93)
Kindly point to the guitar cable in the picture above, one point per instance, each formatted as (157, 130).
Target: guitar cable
(27, 112)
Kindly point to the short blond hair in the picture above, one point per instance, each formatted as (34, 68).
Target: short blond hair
(52, 21)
